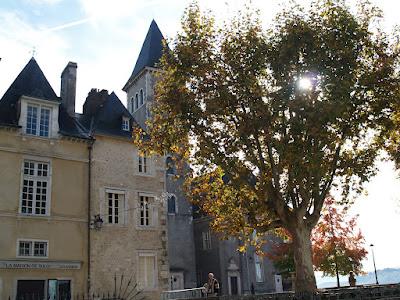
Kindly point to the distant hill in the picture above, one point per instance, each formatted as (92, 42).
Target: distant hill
(385, 276)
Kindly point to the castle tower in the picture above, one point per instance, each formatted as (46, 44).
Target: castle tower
(140, 96)
(140, 85)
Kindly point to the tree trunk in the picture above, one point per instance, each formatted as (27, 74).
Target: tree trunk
(305, 286)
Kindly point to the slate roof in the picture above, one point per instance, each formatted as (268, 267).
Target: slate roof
(151, 52)
(30, 82)
(108, 119)
(70, 126)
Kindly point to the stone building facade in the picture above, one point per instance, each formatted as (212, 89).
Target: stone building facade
(140, 96)
(43, 184)
(127, 196)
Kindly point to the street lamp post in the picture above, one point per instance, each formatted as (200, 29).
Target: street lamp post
(373, 260)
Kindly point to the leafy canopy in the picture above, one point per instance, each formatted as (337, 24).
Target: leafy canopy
(265, 149)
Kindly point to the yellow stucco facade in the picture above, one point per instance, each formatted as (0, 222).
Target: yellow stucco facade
(55, 238)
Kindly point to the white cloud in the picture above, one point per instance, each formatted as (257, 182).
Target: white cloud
(99, 9)
(42, 2)
(18, 39)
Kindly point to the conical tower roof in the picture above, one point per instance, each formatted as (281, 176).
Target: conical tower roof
(29, 82)
(151, 52)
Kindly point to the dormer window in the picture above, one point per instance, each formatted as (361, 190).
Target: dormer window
(125, 123)
(38, 120)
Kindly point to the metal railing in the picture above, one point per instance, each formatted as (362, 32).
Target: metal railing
(195, 293)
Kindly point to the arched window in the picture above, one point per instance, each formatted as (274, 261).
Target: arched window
(136, 101)
(131, 105)
(172, 204)
(170, 166)
(141, 97)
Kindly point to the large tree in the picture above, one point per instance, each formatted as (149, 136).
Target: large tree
(271, 119)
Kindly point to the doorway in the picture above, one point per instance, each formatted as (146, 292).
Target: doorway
(30, 289)
(234, 285)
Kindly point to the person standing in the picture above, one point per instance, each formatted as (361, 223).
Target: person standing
(212, 285)
(352, 279)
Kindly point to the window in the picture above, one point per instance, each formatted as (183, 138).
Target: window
(40, 249)
(206, 240)
(115, 207)
(148, 213)
(136, 101)
(32, 248)
(130, 105)
(170, 166)
(258, 267)
(148, 110)
(35, 188)
(125, 123)
(143, 163)
(58, 289)
(147, 271)
(172, 204)
(38, 120)
(141, 97)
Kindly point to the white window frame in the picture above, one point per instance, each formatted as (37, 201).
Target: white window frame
(35, 178)
(144, 164)
(32, 249)
(153, 213)
(206, 240)
(148, 254)
(125, 124)
(39, 108)
(53, 118)
(121, 207)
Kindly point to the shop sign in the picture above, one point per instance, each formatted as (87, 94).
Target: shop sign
(23, 264)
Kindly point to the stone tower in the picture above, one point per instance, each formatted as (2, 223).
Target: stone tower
(140, 96)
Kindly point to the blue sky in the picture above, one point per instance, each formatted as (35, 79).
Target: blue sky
(104, 37)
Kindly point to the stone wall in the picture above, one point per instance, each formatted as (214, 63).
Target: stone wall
(115, 248)
(372, 292)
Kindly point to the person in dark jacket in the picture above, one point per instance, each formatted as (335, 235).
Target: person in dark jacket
(352, 279)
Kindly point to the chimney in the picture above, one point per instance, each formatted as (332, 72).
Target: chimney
(94, 101)
(68, 88)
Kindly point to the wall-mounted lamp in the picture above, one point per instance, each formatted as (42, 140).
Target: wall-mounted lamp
(96, 222)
